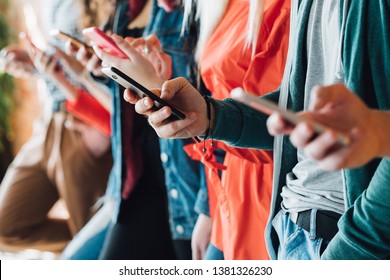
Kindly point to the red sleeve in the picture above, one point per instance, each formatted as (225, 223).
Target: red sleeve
(89, 110)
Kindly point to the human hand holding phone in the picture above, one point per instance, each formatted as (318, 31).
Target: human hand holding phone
(142, 92)
(283, 121)
(135, 65)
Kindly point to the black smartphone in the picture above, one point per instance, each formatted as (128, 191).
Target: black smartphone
(127, 82)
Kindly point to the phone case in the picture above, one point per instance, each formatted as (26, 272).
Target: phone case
(103, 41)
(142, 92)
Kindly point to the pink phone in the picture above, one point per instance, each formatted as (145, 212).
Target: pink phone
(103, 41)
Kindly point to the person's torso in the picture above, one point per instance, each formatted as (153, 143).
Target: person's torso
(308, 186)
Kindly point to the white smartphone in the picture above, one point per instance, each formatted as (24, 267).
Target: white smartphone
(268, 107)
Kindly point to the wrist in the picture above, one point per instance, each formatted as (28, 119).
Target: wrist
(381, 123)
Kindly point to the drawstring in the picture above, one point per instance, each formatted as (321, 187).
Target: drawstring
(339, 66)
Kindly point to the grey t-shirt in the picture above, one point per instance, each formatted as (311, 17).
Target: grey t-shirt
(308, 186)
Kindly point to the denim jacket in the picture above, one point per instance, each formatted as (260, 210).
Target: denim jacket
(185, 179)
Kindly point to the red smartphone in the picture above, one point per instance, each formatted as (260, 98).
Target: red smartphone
(64, 37)
(103, 41)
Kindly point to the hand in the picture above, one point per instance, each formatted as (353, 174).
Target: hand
(181, 94)
(48, 65)
(71, 65)
(97, 143)
(17, 62)
(342, 111)
(150, 48)
(92, 63)
(136, 66)
(201, 236)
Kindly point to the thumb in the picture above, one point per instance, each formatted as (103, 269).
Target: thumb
(172, 87)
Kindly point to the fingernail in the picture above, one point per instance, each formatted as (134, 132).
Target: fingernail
(146, 102)
(166, 112)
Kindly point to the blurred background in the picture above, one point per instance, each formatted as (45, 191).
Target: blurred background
(19, 101)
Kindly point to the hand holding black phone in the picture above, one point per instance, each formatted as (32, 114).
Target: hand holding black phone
(141, 91)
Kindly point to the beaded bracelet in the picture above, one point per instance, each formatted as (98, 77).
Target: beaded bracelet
(209, 131)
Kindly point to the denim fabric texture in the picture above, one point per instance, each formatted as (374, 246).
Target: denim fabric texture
(184, 178)
(295, 242)
(213, 253)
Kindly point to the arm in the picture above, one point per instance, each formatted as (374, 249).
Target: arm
(231, 121)
(365, 227)
(202, 231)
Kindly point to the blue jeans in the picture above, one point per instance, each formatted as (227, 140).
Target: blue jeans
(296, 243)
(213, 253)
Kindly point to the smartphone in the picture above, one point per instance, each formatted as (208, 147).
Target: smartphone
(268, 107)
(141, 91)
(64, 37)
(103, 41)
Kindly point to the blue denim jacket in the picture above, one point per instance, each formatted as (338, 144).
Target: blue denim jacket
(185, 179)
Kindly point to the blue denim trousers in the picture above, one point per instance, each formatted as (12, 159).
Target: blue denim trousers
(213, 253)
(295, 243)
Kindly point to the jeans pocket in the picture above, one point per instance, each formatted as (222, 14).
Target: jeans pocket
(294, 242)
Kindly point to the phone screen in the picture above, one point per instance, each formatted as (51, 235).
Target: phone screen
(142, 92)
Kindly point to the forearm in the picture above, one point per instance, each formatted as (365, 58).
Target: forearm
(68, 89)
(240, 126)
(364, 230)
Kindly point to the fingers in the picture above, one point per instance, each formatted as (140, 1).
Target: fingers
(278, 126)
(302, 134)
(82, 56)
(175, 129)
(171, 87)
(144, 107)
(127, 48)
(319, 148)
(107, 59)
(94, 65)
(70, 48)
(130, 96)
(322, 96)
(340, 157)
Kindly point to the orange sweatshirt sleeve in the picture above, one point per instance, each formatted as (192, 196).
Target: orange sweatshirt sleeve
(89, 110)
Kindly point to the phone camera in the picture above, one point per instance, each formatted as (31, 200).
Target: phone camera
(114, 77)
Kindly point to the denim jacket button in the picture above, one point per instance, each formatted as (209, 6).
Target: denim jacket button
(164, 157)
(179, 229)
(174, 193)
